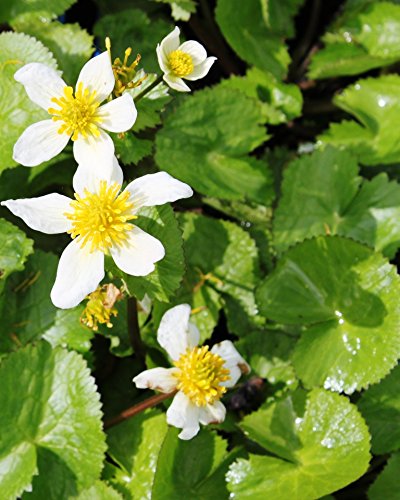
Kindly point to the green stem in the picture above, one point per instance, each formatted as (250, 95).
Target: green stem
(138, 408)
(145, 91)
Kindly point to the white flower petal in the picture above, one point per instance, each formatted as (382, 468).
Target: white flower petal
(176, 83)
(45, 213)
(233, 361)
(138, 254)
(89, 176)
(38, 143)
(157, 379)
(162, 59)
(41, 83)
(172, 334)
(196, 51)
(201, 70)
(119, 114)
(212, 414)
(193, 335)
(157, 189)
(97, 74)
(79, 272)
(170, 42)
(183, 414)
(94, 151)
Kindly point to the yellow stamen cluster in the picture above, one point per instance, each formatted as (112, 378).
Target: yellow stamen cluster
(101, 219)
(181, 63)
(200, 375)
(100, 307)
(124, 73)
(78, 113)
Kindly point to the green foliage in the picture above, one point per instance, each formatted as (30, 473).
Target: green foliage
(327, 281)
(50, 419)
(374, 104)
(206, 142)
(17, 111)
(323, 194)
(316, 454)
(52, 8)
(386, 485)
(380, 406)
(360, 40)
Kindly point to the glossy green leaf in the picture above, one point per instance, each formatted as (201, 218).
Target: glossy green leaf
(194, 468)
(361, 40)
(9, 10)
(130, 149)
(51, 415)
(162, 283)
(387, 483)
(133, 28)
(14, 250)
(99, 491)
(380, 406)
(17, 111)
(71, 45)
(345, 295)
(255, 30)
(135, 445)
(206, 142)
(322, 193)
(280, 101)
(317, 453)
(374, 104)
(181, 9)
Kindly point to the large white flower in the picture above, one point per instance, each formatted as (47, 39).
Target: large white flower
(187, 60)
(201, 376)
(99, 221)
(73, 115)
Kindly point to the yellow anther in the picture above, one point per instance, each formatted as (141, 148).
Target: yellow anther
(100, 219)
(200, 374)
(181, 63)
(78, 115)
(100, 307)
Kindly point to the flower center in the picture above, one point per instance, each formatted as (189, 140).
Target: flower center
(77, 113)
(200, 375)
(100, 219)
(181, 64)
(100, 307)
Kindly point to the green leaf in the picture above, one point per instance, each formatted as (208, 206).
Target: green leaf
(14, 250)
(374, 104)
(9, 10)
(255, 30)
(17, 111)
(26, 306)
(71, 45)
(362, 40)
(206, 142)
(193, 469)
(133, 27)
(134, 445)
(380, 406)
(162, 283)
(387, 483)
(51, 415)
(317, 453)
(346, 297)
(130, 149)
(322, 193)
(99, 491)
(181, 9)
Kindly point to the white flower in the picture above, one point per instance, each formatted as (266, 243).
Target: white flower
(187, 60)
(201, 376)
(99, 221)
(78, 116)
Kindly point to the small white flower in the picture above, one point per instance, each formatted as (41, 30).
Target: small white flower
(201, 376)
(73, 115)
(98, 220)
(187, 60)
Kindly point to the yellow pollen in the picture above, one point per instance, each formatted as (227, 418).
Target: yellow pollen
(78, 113)
(100, 307)
(200, 375)
(101, 219)
(181, 63)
